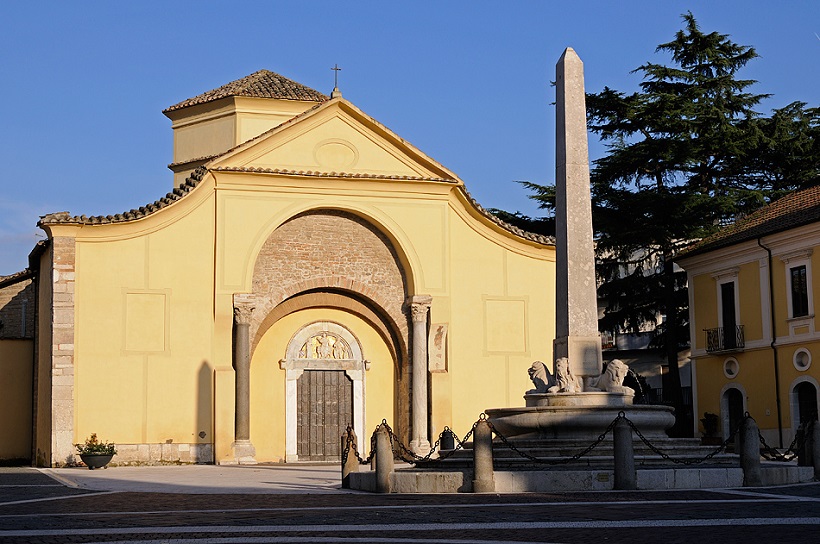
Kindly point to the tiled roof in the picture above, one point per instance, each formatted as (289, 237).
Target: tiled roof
(196, 159)
(541, 239)
(16, 277)
(793, 210)
(316, 173)
(261, 84)
(531, 236)
(65, 218)
(290, 121)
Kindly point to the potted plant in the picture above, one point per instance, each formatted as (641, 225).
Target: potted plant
(96, 454)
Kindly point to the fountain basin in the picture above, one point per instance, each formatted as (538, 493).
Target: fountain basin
(582, 416)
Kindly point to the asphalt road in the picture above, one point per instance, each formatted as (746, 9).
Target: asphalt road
(35, 508)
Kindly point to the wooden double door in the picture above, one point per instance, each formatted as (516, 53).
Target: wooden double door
(325, 409)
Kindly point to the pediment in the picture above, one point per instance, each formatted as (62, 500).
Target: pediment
(335, 138)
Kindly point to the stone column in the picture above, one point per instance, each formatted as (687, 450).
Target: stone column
(576, 334)
(243, 449)
(419, 307)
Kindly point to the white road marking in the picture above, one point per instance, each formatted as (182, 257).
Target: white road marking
(753, 493)
(438, 507)
(32, 485)
(395, 527)
(63, 497)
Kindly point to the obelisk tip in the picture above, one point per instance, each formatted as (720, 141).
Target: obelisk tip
(570, 55)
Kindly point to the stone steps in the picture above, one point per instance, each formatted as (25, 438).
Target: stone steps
(521, 463)
(602, 456)
(412, 480)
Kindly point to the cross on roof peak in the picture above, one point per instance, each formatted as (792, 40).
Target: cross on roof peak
(336, 92)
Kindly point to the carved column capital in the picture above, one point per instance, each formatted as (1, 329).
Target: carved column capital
(419, 312)
(419, 306)
(242, 313)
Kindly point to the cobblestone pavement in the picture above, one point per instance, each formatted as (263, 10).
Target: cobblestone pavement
(35, 508)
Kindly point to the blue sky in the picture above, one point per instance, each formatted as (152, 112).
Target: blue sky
(83, 84)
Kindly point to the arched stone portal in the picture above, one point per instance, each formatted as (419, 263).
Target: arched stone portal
(324, 250)
(280, 365)
(334, 259)
(320, 359)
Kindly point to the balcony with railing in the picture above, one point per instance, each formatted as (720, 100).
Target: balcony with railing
(725, 339)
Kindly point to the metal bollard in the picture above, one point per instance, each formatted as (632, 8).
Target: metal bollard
(815, 448)
(448, 439)
(384, 460)
(483, 481)
(750, 453)
(625, 475)
(350, 463)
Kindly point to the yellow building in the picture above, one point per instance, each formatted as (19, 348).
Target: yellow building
(309, 270)
(17, 313)
(752, 317)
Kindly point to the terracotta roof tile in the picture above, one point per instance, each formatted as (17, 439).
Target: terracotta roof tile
(16, 277)
(317, 173)
(793, 210)
(531, 236)
(538, 238)
(261, 84)
(65, 218)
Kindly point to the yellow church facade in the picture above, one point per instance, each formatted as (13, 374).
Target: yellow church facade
(310, 269)
(752, 317)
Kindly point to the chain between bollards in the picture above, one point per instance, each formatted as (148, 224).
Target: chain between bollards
(686, 462)
(791, 453)
(565, 460)
(407, 455)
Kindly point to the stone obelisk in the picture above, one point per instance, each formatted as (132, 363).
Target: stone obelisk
(576, 323)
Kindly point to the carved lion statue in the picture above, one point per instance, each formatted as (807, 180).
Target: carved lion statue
(540, 376)
(565, 381)
(612, 379)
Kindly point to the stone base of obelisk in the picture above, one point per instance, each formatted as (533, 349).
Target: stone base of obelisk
(583, 352)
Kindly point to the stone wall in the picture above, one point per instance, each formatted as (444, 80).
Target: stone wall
(163, 454)
(328, 250)
(17, 310)
(62, 352)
